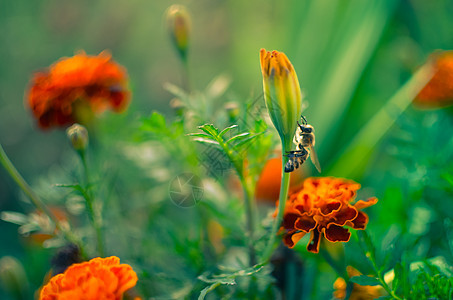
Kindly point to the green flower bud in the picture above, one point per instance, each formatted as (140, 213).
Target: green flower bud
(78, 136)
(178, 106)
(178, 22)
(232, 110)
(281, 93)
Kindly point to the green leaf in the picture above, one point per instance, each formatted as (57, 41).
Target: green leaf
(206, 141)
(237, 137)
(201, 135)
(155, 123)
(399, 276)
(222, 279)
(14, 217)
(207, 289)
(247, 140)
(210, 129)
(365, 280)
(75, 186)
(367, 244)
(27, 228)
(224, 131)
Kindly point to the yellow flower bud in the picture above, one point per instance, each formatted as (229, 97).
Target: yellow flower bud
(78, 136)
(281, 93)
(178, 22)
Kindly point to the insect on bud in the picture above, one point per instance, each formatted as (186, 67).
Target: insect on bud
(78, 135)
(178, 23)
(281, 93)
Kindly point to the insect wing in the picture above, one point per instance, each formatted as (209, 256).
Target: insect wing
(296, 139)
(314, 159)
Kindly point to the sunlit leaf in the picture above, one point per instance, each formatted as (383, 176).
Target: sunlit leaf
(206, 141)
(14, 217)
(247, 140)
(224, 131)
(237, 137)
(209, 129)
(201, 135)
(365, 280)
(155, 123)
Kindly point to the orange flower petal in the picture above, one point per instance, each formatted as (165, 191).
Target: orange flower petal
(62, 95)
(347, 214)
(364, 204)
(335, 233)
(305, 223)
(360, 221)
(99, 278)
(291, 239)
(323, 206)
(315, 239)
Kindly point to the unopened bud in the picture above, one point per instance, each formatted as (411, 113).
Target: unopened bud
(178, 106)
(78, 135)
(282, 93)
(178, 22)
(13, 278)
(232, 110)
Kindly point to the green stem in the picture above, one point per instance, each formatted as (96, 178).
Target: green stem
(284, 188)
(372, 258)
(338, 268)
(250, 220)
(185, 74)
(94, 217)
(381, 277)
(248, 199)
(37, 202)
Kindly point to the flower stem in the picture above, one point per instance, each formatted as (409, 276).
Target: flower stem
(37, 202)
(384, 284)
(248, 199)
(369, 253)
(339, 268)
(250, 219)
(94, 217)
(284, 188)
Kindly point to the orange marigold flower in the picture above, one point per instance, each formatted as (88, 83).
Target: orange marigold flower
(76, 85)
(267, 187)
(99, 278)
(438, 92)
(359, 292)
(323, 206)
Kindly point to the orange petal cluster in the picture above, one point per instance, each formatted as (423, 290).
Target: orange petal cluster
(58, 96)
(322, 207)
(438, 92)
(99, 278)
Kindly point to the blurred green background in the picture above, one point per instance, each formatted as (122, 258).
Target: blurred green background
(351, 56)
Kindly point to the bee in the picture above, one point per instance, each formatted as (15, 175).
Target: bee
(305, 142)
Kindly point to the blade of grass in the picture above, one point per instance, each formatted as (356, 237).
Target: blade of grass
(351, 160)
(346, 67)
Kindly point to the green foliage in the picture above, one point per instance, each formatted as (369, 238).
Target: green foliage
(365, 280)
